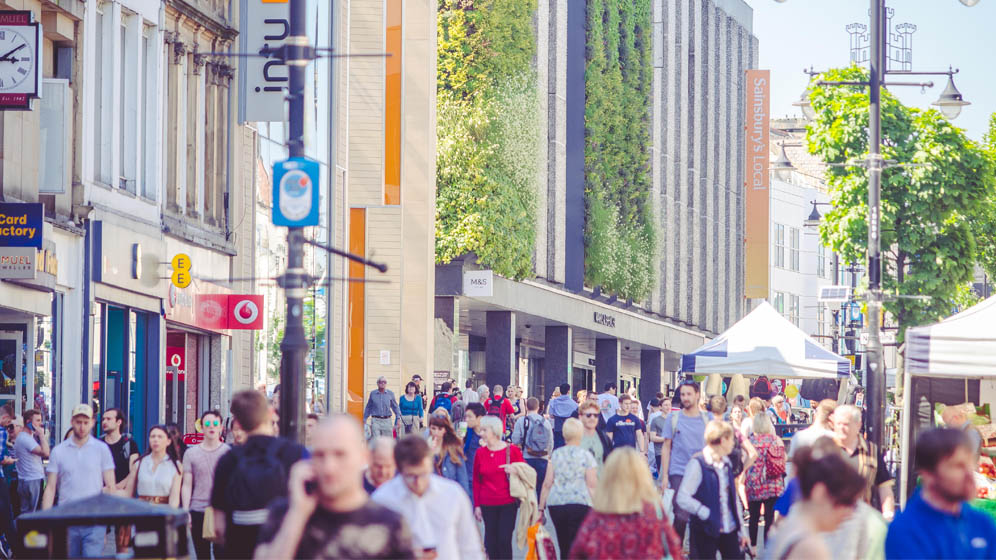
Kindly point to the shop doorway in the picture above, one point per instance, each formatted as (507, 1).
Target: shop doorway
(11, 368)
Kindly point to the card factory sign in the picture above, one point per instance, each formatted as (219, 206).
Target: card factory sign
(756, 231)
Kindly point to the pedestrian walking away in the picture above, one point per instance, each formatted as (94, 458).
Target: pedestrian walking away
(326, 514)
(381, 467)
(938, 522)
(765, 478)
(655, 435)
(381, 405)
(829, 488)
(250, 476)
(822, 426)
(30, 447)
(80, 467)
(593, 438)
(534, 435)
(447, 451)
(684, 436)
(625, 429)
(493, 501)
(569, 485)
(499, 406)
(708, 492)
(469, 394)
(626, 520)
(560, 409)
(156, 476)
(437, 510)
(412, 410)
(608, 401)
(443, 399)
(866, 457)
(198, 480)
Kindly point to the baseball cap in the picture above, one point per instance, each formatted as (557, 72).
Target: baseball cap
(83, 409)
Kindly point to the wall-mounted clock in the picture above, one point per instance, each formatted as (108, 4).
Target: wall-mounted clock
(20, 55)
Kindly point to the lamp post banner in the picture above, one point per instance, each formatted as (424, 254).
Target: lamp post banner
(757, 186)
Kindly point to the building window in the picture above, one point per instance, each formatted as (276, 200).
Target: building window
(147, 129)
(794, 249)
(793, 311)
(101, 96)
(821, 261)
(779, 245)
(779, 302)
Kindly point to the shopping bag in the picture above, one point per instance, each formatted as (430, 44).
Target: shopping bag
(208, 531)
(667, 503)
(545, 549)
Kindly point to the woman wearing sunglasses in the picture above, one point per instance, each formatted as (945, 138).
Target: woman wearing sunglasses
(198, 480)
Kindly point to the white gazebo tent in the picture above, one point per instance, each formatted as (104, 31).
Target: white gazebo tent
(962, 346)
(765, 343)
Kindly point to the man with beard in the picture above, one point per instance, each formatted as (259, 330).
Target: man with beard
(684, 436)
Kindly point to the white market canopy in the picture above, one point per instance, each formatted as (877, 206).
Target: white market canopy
(963, 345)
(765, 343)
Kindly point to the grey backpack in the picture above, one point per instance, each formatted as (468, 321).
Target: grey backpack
(537, 440)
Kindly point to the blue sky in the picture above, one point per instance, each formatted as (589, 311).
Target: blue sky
(798, 34)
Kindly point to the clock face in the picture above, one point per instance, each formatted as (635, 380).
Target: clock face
(17, 59)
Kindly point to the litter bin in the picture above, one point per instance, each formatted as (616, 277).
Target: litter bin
(160, 531)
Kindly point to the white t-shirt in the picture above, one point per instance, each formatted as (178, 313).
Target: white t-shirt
(470, 396)
(29, 465)
(609, 404)
(80, 468)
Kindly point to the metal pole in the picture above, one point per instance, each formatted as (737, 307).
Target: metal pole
(294, 346)
(836, 312)
(875, 381)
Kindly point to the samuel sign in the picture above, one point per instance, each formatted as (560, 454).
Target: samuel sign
(263, 81)
(479, 283)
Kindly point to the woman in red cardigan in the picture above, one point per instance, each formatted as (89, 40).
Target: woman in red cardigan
(493, 503)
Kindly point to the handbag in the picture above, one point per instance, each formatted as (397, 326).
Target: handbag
(208, 531)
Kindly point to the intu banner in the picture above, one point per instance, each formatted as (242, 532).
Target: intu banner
(757, 185)
(263, 80)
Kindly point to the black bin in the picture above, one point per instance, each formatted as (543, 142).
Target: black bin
(160, 531)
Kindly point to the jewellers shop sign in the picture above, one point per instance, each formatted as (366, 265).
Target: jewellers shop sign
(263, 80)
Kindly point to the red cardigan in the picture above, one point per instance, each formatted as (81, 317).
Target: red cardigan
(490, 481)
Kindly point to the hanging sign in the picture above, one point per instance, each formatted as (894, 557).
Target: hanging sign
(758, 203)
(18, 263)
(21, 224)
(295, 192)
(263, 80)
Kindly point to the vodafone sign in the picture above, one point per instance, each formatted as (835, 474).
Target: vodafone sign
(245, 312)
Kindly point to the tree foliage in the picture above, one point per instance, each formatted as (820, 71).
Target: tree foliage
(488, 133)
(620, 234)
(929, 200)
(984, 228)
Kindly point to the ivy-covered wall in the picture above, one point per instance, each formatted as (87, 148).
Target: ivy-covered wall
(488, 133)
(620, 235)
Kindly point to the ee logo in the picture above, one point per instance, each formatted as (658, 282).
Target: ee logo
(181, 277)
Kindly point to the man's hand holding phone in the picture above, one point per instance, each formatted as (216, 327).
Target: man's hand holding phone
(303, 497)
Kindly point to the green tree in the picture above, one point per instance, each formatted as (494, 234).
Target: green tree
(984, 228)
(929, 199)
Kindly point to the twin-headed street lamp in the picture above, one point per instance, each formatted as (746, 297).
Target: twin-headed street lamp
(950, 104)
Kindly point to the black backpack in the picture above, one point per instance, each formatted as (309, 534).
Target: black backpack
(261, 474)
(761, 388)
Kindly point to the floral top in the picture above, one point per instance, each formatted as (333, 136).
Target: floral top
(570, 463)
(628, 535)
(759, 486)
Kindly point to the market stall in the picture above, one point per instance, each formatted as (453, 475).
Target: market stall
(951, 363)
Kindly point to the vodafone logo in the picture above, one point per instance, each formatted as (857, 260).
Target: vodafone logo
(175, 360)
(245, 312)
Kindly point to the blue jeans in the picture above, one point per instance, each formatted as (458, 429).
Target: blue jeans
(86, 542)
(540, 466)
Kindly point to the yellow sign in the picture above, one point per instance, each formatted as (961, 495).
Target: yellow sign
(758, 202)
(180, 278)
(181, 262)
(791, 391)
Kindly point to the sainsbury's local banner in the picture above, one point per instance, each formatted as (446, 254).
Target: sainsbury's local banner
(757, 230)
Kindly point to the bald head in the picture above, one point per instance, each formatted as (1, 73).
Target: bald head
(338, 455)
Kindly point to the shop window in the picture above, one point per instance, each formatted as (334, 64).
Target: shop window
(779, 245)
(794, 249)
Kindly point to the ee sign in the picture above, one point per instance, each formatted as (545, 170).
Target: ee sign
(295, 192)
(181, 271)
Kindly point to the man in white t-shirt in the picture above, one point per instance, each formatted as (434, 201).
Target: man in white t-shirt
(30, 447)
(608, 401)
(822, 426)
(469, 394)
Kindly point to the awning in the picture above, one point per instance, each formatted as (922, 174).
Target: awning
(963, 345)
(765, 343)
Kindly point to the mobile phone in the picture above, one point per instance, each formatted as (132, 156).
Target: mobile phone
(310, 487)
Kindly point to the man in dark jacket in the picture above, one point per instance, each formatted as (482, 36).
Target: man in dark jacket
(560, 409)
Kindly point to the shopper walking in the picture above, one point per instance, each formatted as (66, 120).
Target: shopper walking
(30, 447)
(437, 510)
(684, 436)
(569, 485)
(124, 450)
(634, 397)
(499, 406)
(534, 435)
(80, 467)
(250, 476)
(593, 438)
(518, 402)
(625, 429)
(560, 409)
(822, 426)
(381, 467)
(608, 401)
(447, 449)
(472, 440)
(708, 492)
(830, 487)
(765, 478)
(326, 514)
(198, 479)
(938, 522)
(626, 520)
(493, 501)
(469, 394)
(484, 393)
(412, 410)
(866, 458)
(156, 477)
(381, 404)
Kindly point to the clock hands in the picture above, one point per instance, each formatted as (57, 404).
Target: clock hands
(6, 57)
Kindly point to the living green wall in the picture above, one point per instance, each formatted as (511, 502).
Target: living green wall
(620, 235)
(488, 133)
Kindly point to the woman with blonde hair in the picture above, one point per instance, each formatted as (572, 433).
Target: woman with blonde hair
(569, 484)
(765, 479)
(634, 397)
(626, 520)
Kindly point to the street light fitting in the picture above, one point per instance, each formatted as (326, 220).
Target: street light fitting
(813, 221)
(807, 108)
(968, 3)
(950, 102)
(782, 167)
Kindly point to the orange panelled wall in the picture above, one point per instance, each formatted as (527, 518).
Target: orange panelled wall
(355, 366)
(392, 105)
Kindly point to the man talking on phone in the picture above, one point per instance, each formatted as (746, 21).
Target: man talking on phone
(327, 513)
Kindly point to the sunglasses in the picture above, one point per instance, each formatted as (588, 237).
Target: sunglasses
(212, 423)
(591, 414)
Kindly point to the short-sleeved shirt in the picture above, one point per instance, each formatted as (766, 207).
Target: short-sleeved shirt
(201, 463)
(687, 440)
(29, 465)
(372, 531)
(593, 445)
(80, 468)
(570, 463)
(624, 428)
(121, 452)
(871, 465)
(609, 404)
(657, 427)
